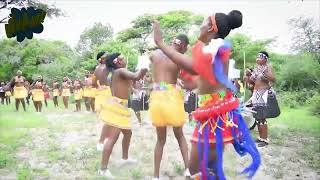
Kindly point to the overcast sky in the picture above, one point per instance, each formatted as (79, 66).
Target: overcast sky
(261, 19)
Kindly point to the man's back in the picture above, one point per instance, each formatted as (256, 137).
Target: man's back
(163, 68)
(101, 74)
(120, 85)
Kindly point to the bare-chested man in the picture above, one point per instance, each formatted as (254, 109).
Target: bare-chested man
(166, 102)
(20, 92)
(115, 113)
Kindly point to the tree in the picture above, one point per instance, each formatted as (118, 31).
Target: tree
(299, 72)
(52, 10)
(243, 44)
(93, 37)
(52, 59)
(306, 36)
(114, 46)
(173, 23)
(177, 22)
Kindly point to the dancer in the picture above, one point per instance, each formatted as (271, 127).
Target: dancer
(8, 93)
(56, 92)
(166, 102)
(88, 92)
(103, 92)
(218, 117)
(78, 94)
(37, 93)
(19, 91)
(2, 92)
(66, 85)
(46, 93)
(115, 113)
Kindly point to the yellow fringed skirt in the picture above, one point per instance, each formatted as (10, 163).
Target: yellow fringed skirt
(102, 95)
(37, 95)
(56, 92)
(66, 92)
(20, 92)
(8, 93)
(89, 92)
(115, 112)
(78, 94)
(167, 108)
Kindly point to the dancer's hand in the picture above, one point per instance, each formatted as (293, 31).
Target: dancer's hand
(144, 71)
(157, 35)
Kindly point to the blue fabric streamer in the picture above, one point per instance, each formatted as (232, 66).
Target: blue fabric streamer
(219, 151)
(200, 146)
(206, 149)
(245, 144)
(217, 66)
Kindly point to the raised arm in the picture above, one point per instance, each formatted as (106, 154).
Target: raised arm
(181, 60)
(133, 76)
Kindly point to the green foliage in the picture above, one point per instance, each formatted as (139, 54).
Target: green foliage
(117, 46)
(296, 99)
(315, 104)
(5, 159)
(179, 168)
(177, 22)
(299, 72)
(172, 24)
(24, 173)
(93, 37)
(242, 44)
(306, 36)
(136, 174)
(52, 59)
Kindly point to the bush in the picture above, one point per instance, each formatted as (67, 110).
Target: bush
(315, 104)
(299, 72)
(294, 99)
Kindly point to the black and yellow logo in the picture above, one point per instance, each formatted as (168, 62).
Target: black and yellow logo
(23, 23)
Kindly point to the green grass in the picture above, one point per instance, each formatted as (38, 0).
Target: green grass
(14, 128)
(24, 173)
(136, 174)
(296, 123)
(179, 168)
(297, 120)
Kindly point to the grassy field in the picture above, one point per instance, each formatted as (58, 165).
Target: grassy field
(60, 144)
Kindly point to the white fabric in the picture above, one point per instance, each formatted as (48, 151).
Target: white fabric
(143, 62)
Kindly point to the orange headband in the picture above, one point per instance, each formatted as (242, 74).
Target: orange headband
(214, 27)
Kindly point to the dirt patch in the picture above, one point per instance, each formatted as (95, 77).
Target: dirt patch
(65, 149)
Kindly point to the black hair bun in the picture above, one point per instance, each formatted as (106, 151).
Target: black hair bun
(100, 54)
(234, 19)
(265, 53)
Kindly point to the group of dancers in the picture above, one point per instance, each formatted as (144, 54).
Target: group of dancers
(218, 118)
